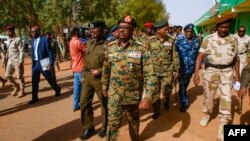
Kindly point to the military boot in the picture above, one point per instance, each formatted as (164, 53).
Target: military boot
(14, 92)
(21, 93)
(156, 109)
(204, 120)
(220, 135)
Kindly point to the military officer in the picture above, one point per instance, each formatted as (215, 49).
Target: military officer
(93, 62)
(244, 46)
(220, 50)
(127, 65)
(15, 61)
(166, 62)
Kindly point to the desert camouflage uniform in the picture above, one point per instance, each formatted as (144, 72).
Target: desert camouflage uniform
(166, 61)
(15, 58)
(124, 71)
(219, 51)
(244, 46)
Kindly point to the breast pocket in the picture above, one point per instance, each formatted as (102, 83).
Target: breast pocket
(134, 64)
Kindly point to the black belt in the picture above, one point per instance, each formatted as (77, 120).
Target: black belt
(242, 53)
(217, 66)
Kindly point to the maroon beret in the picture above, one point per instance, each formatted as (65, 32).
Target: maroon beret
(10, 27)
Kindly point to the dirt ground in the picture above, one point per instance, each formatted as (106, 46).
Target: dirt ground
(52, 118)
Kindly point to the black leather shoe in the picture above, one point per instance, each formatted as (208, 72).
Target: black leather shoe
(102, 133)
(155, 115)
(166, 105)
(58, 93)
(184, 108)
(33, 101)
(76, 109)
(87, 133)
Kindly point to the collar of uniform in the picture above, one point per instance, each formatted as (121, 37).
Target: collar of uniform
(129, 43)
(161, 40)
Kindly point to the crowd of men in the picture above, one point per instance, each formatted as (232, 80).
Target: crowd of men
(128, 70)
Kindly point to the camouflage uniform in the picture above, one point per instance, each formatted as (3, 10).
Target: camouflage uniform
(15, 58)
(93, 59)
(165, 60)
(244, 46)
(245, 77)
(219, 51)
(124, 71)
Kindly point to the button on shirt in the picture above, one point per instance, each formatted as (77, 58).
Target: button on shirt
(36, 42)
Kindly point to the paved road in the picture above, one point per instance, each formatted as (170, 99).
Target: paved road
(52, 118)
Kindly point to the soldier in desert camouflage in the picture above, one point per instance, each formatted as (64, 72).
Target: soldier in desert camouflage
(220, 50)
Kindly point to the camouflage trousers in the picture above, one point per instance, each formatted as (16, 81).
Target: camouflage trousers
(243, 62)
(225, 93)
(10, 69)
(163, 86)
(115, 113)
(90, 86)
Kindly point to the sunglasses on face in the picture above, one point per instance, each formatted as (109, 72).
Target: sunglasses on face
(242, 31)
(189, 31)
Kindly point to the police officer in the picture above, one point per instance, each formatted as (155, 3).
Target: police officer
(220, 50)
(15, 61)
(93, 62)
(187, 47)
(166, 62)
(127, 65)
(244, 45)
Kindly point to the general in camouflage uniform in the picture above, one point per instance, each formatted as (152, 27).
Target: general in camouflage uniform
(244, 46)
(165, 60)
(127, 65)
(220, 50)
(93, 62)
(15, 61)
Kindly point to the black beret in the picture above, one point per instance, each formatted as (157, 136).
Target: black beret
(114, 28)
(128, 20)
(162, 23)
(10, 27)
(96, 24)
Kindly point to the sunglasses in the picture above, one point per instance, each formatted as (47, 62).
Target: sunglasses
(242, 31)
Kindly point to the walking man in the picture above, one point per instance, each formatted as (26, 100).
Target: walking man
(220, 50)
(244, 46)
(93, 62)
(187, 47)
(165, 61)
(127, 65)
(15, 61)
(42, 61)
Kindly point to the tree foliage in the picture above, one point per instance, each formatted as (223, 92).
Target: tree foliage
(54, 15)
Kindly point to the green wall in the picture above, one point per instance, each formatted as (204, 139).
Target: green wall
(243, 19)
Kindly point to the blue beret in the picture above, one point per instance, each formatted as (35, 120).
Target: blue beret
(114, 28)
(189, 26)
(96, 24)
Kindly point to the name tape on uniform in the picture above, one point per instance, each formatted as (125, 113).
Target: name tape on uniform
(236, 132)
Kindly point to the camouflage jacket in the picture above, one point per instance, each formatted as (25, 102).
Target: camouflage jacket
(15, 50)
(164, 55)
(125, 69)
(219, 51)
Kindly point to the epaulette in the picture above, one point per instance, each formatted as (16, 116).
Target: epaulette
(141, 44)
(112, 43)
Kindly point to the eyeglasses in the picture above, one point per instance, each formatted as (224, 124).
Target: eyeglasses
(125, 27)
(242, 31)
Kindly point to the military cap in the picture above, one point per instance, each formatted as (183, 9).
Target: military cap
(162, 23)
(221, 21)
(128, 20)
(148, 25)
(10, 27)
(96, 24)
(189, 26)
(114, 28)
